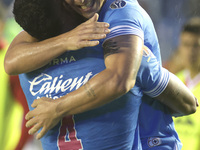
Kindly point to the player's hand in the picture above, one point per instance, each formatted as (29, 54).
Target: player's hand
(87, 34)
(43, 116)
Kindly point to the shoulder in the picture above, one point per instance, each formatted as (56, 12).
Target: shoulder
(23, 36)
(122, 10)
(124, 16)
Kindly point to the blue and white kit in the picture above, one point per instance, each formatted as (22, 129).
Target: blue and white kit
(113, 126)
(131, 18)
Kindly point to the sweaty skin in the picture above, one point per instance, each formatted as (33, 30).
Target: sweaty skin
(121, 56)
(25, 48)
(179, 99)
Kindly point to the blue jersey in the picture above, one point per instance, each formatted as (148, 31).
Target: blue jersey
(157, 127)
(128, 17)
(111, 127)
(115, 124)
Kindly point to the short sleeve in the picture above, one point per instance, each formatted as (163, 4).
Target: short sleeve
(152, 77)
(123, 21)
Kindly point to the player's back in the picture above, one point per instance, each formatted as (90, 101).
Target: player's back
(109, 127)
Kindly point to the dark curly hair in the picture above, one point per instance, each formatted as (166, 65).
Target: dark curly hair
(43, 19)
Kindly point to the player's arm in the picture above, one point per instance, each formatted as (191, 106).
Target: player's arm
(26, 53)
(162, 85)
(178, 97)
(123, 56)
(122, 60)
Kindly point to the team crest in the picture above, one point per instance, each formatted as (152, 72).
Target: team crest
(118, 4)
(147, 53)
(153, 141)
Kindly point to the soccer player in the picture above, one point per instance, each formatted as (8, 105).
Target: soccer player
(188, 127)
(59, 85)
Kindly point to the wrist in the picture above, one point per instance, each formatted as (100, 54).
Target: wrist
(58, 43)
(61, 110)
(63, 41)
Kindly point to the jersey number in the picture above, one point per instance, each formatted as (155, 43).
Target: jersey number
(67, 129)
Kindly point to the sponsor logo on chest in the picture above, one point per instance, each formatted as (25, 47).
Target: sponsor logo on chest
(45, 84)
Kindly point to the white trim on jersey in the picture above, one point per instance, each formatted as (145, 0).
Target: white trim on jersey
(164, 80)
(124, 30)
